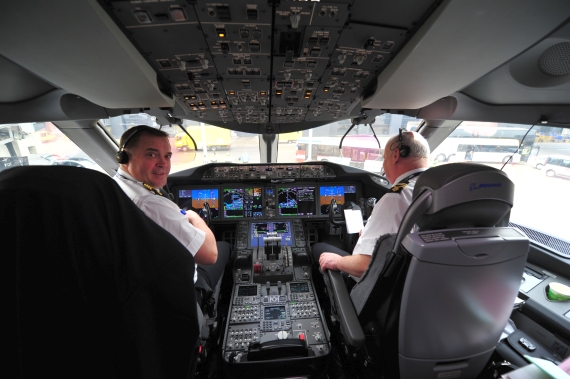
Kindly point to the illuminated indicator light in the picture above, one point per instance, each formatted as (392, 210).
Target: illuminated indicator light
(232, 93)
(326, 89)
(278, 92)
(192, 104)
(186, 98)
(262, 93)
(221, 33)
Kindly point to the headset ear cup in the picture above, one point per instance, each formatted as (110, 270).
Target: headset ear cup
(122, 157)
(404, 151)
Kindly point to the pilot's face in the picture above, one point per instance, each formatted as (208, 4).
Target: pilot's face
(149, 160)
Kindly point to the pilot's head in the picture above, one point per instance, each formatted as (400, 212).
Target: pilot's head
(147, 155)
(405, 152)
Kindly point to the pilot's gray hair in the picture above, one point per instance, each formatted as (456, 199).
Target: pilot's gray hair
(419, 147)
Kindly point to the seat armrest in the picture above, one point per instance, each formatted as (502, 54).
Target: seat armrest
(349, 324)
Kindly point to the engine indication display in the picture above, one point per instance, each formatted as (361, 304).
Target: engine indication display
(279, 231)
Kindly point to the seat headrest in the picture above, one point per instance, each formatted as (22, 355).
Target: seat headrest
(465, 195)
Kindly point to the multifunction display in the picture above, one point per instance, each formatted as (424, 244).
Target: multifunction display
(296, 201)
(275, 313)
(247, 291)
(341, 194)
(243, 202)
(263, 233)
(299, 287)
(270, 201)
(196, 200)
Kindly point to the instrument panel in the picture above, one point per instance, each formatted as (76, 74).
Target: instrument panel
(280, 200)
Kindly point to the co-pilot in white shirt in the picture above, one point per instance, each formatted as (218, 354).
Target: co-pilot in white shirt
(386, 215)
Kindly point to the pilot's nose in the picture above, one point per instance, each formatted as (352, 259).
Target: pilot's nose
(162, 162)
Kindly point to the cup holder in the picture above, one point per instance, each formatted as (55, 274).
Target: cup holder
(558, 297)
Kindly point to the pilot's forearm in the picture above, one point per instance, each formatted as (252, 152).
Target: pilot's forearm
(354, 265)
(208, 252)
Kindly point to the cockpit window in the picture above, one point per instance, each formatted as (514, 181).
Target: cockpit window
(359, 147)
(213, 144)
(529, 156)
(42, 144)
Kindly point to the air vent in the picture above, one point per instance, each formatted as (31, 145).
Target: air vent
(555, 61)
(559, 246)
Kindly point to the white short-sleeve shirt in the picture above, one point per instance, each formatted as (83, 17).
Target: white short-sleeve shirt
(386, 215)
(162, 211)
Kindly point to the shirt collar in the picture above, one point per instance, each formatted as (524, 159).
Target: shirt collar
(406, 174)
(126, 175)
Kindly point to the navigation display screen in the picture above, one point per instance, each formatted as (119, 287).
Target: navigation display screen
(247, 291)
(275, 313)
(195, 199)
(243, 202)
(299, 287)
(263, 233)
(296, 201)
(341, 194)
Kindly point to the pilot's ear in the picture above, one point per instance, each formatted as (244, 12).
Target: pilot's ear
(395, 155)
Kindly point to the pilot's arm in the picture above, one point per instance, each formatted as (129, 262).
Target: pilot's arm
(207, 254)
(354, 265)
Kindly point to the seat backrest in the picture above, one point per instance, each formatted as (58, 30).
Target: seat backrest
(101, 290)
(442, 296)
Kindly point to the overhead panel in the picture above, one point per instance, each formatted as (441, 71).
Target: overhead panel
(239, 38)
(361, 52)
(306, 34)
(266, 62)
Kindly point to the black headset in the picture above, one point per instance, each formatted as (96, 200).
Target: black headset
(122, 156)
(404, 149)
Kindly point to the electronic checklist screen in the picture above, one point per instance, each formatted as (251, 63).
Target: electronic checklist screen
(277, 230)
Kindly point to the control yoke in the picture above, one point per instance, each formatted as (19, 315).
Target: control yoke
(207, 213)
(334, 209)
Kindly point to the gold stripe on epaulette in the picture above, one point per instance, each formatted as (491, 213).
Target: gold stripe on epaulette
(153, 190)
(398, 187)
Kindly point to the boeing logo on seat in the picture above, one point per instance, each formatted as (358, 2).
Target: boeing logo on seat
(475, 186)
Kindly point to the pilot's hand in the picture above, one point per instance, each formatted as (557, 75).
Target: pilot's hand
(329, 261)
